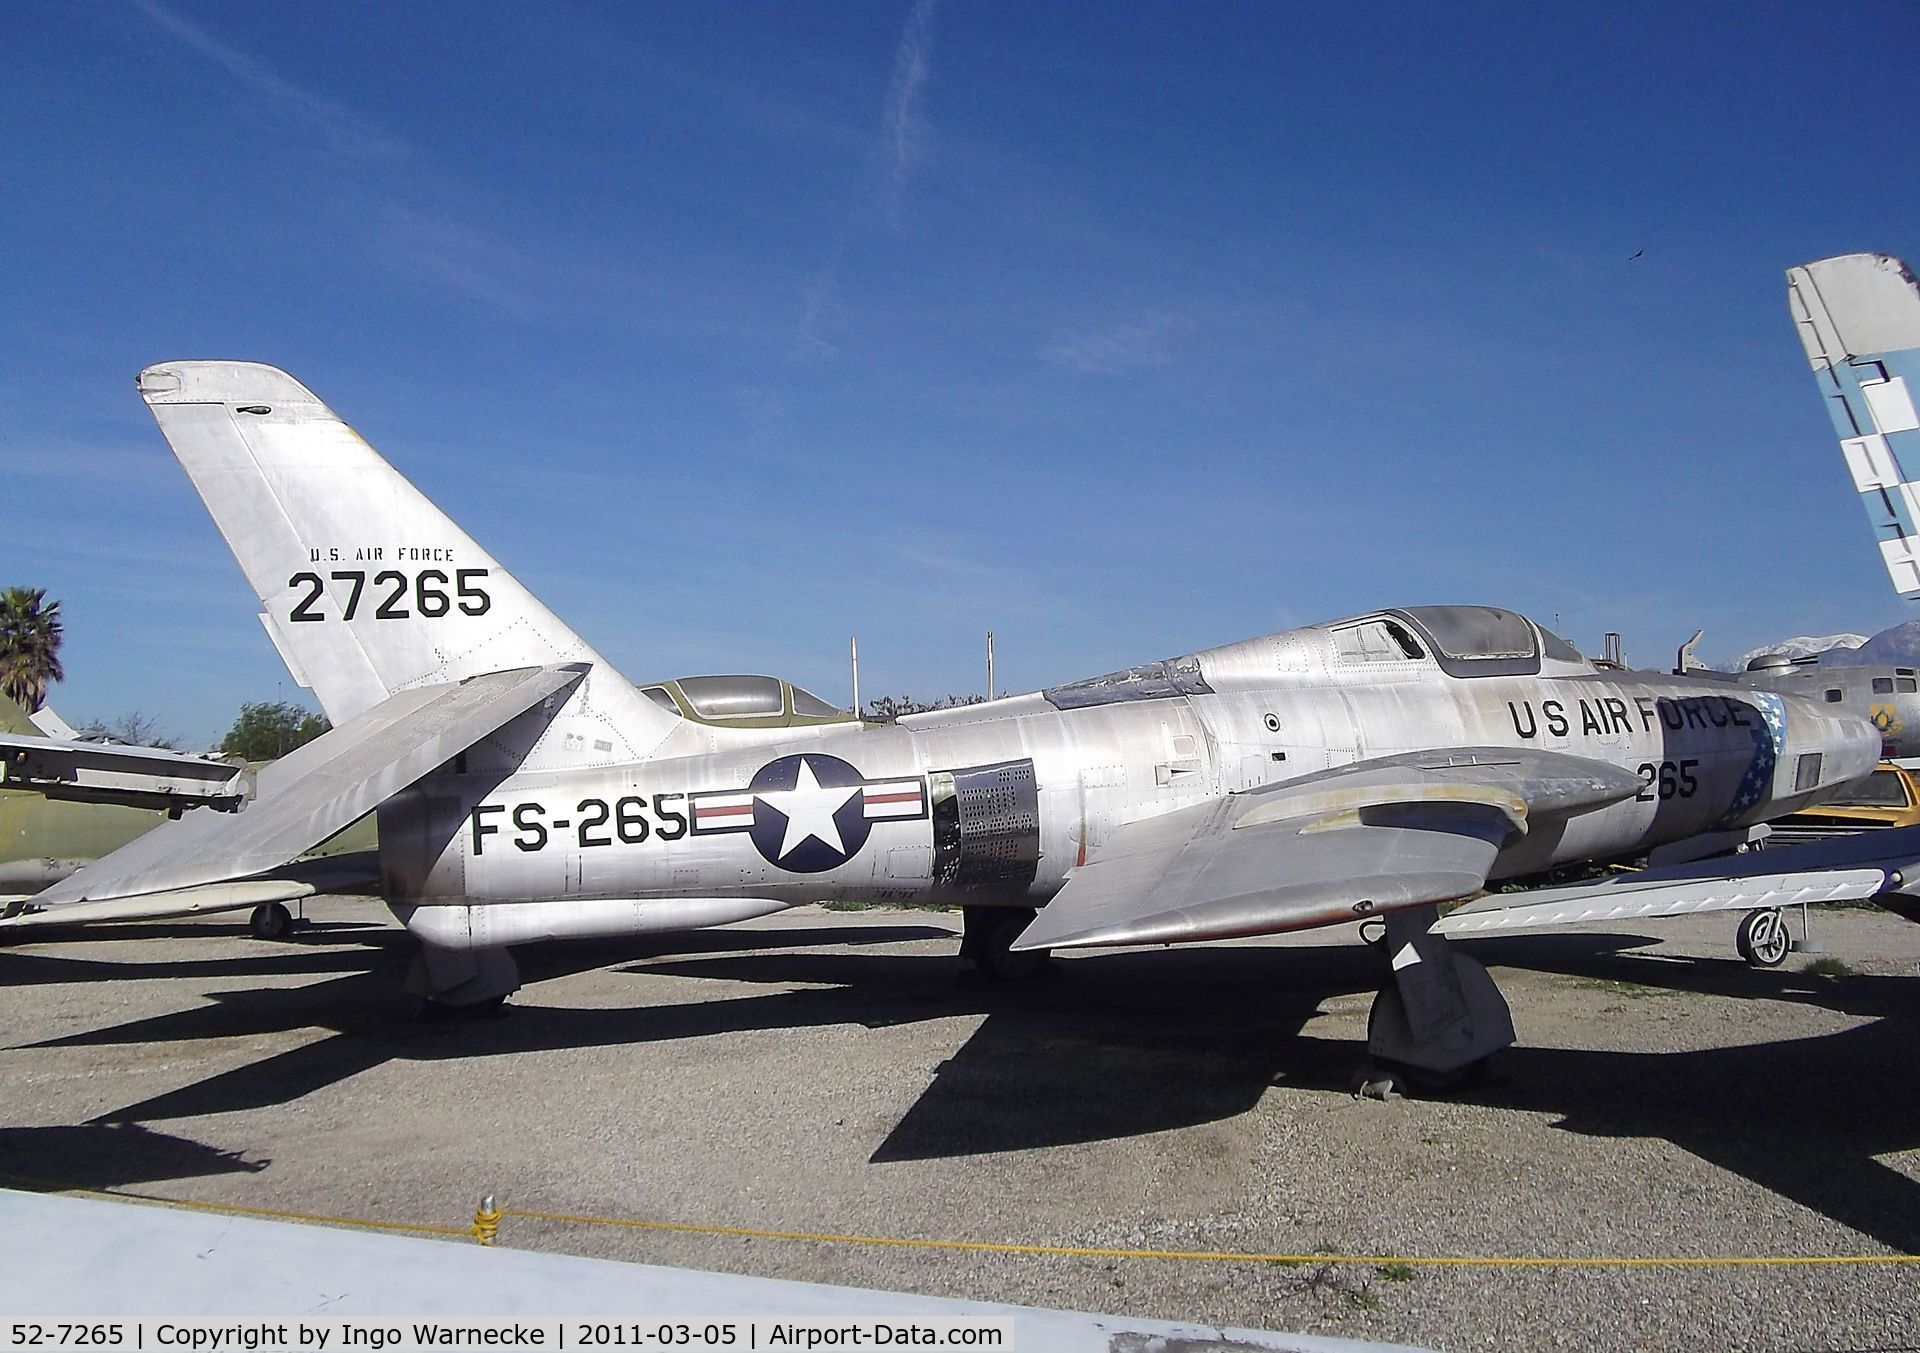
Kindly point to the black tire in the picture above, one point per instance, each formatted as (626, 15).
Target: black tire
(440, 1012)
(270, 921)
(990, 933)
(1763, 939)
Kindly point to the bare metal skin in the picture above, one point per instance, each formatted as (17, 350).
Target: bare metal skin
(1367, 768)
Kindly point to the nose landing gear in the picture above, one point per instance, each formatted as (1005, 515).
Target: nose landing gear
(1763, 939)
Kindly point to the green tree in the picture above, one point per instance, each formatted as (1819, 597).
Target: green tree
(30, 632)
(134, 729)
(887, 708)
(268, 729)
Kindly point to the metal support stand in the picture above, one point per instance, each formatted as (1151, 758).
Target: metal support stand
(1806, 944)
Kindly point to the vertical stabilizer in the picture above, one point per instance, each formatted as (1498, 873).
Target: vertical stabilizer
(367, 587)
(1859, 320)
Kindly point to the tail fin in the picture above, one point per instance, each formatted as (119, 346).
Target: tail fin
(368, 588)
(13, 719)
(1859, 320)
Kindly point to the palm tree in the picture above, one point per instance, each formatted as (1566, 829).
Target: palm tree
(29, 645)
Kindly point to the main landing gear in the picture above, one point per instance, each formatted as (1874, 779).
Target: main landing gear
(462, 981)
(1436, 1024)
(986, 939)
(271, 921)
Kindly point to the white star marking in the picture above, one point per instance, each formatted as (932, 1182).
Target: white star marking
(809, 808)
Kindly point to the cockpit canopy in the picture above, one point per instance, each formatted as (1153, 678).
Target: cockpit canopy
(743, 701)
(1464, 641)
(1486, 640)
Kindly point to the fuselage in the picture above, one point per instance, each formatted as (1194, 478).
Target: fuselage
(995, 803)
(1886, 697)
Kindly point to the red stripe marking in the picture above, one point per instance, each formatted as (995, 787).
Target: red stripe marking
(725, 811)
(912, 796)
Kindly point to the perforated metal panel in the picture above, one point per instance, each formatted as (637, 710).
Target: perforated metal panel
(986, 825)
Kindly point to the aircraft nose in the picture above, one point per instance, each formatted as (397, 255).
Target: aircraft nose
(1848, 747)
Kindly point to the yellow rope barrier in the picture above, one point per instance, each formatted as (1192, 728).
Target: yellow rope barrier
(1225, 1256)
(485, 1228)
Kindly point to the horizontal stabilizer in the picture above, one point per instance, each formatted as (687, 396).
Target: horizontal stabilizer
(308, 795)
(1393, 832)
(108, 772)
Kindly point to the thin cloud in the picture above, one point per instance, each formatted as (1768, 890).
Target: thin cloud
(1114, 349)
(344, 129)
(456, 257)
(903, 133)
(905, 123)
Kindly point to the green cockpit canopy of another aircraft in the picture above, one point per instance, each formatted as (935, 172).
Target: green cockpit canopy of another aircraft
(744, 701)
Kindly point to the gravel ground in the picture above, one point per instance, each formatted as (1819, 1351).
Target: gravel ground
(836, 1072)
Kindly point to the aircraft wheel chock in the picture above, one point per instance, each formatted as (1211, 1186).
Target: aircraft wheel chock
(1763, 939)
(270, 921)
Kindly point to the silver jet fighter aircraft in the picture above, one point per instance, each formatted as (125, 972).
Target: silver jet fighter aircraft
(1369, 768)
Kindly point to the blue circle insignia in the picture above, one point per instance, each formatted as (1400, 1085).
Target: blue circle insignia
(809, 812)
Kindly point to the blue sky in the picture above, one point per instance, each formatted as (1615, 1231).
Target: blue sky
(1119, 330)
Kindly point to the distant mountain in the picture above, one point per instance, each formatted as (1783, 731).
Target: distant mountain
(1898, 646)
(1840, 646)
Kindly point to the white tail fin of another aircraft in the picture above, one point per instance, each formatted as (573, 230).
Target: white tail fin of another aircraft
(367, 587)
(1859, 320)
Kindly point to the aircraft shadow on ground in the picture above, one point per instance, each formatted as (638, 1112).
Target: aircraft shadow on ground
(1804, 1117)
(1135, 1043)
(108, 1155)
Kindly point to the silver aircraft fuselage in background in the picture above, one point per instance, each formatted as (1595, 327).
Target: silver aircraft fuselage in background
(1885, 696)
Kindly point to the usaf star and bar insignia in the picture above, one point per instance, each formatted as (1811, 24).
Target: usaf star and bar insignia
(809, 813)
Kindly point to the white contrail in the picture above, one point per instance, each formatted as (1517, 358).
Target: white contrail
(905, 124)
(346, 129)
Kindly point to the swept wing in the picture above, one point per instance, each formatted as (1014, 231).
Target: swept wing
(1382, 834)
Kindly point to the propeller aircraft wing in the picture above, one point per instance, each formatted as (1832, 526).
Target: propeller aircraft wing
(1846, 868)
(108, 772)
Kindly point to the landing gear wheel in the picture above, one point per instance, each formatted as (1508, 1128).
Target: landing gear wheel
(270, 921)
(1764, 941)
(441, 1012)
(987, 938)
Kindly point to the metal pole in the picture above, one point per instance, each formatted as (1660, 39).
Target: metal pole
(856, 675)
(989, 664)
